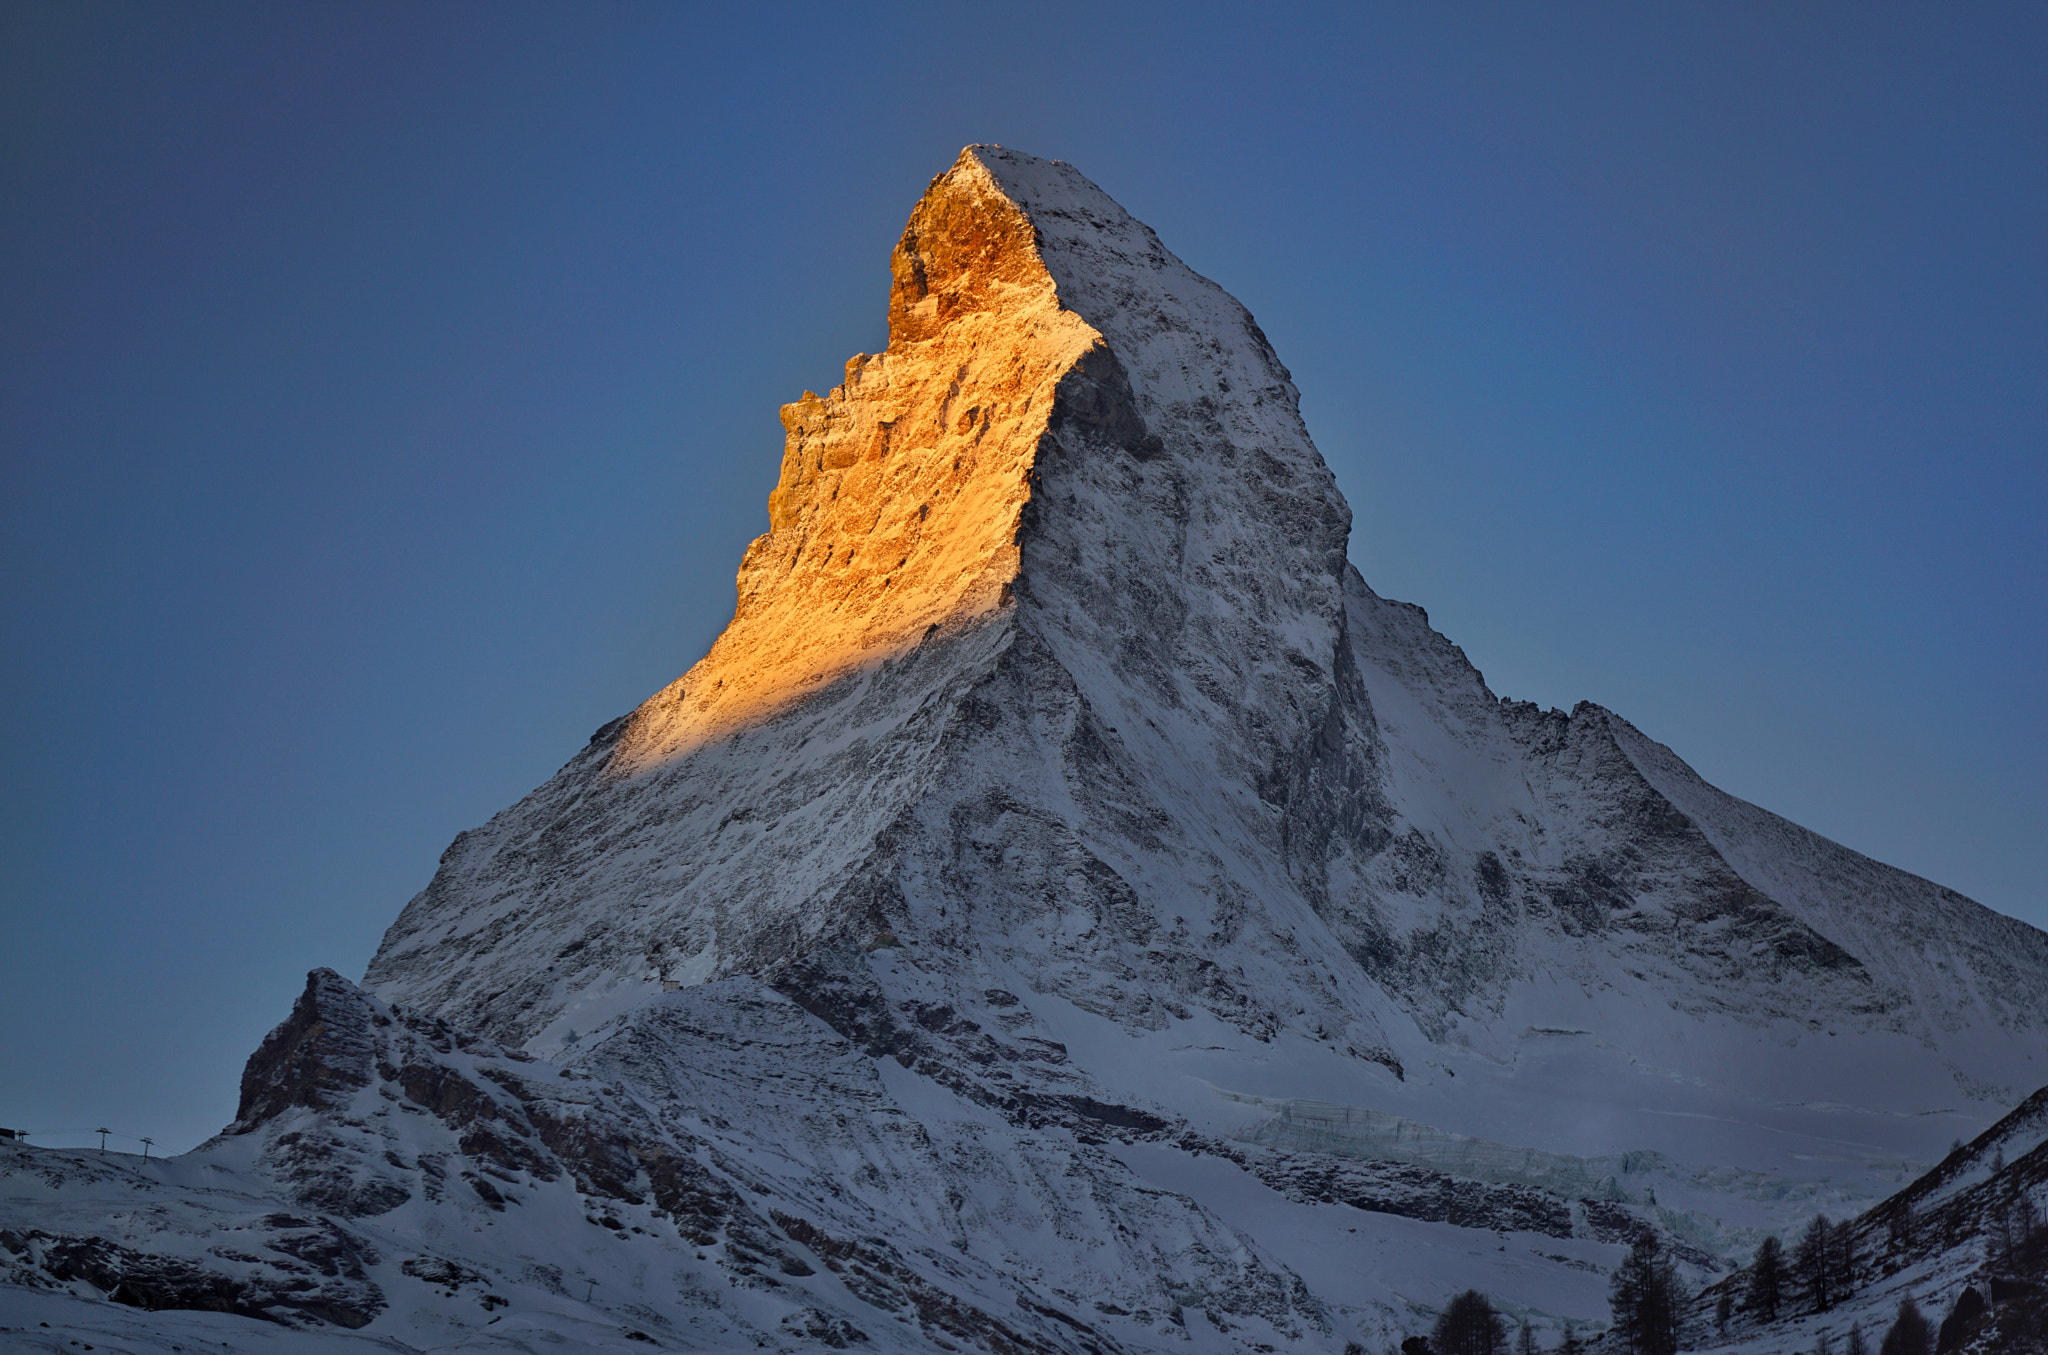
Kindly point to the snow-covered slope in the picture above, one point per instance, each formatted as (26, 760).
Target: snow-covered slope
(1072, 911)
(732, 1175)
(1967, 1244)
(1566, 902)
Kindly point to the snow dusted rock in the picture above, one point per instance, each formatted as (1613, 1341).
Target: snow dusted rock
(1050, 680)
(1055, 752)
(734, 1179)
(1067, 909)
(1035, 674)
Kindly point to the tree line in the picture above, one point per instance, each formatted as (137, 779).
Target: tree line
(1644, 1297)
(1823, 1268)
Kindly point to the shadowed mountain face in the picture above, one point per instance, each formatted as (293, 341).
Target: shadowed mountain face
(1067, 909)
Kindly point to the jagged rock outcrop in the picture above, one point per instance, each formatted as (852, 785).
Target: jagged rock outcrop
(1067, 909)
(726, 1169)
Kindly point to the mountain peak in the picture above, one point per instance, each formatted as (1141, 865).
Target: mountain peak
(1050, 679)
(1026, 309)
(1073, 494)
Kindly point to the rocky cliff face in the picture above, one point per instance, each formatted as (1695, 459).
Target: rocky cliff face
(1068, 909)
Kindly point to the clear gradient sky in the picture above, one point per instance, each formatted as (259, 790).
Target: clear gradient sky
(389, 392)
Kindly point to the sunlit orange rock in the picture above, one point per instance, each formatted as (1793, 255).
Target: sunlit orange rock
(901, 489)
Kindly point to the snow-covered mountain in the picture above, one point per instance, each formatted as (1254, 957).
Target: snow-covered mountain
(1068, 910)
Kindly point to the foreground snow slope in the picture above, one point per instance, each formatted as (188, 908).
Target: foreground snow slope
(1068, 909)
(1973, 1232)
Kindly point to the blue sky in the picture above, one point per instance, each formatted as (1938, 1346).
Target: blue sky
(389, 392)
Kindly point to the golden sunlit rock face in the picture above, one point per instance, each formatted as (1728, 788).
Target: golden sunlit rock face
(902, 489)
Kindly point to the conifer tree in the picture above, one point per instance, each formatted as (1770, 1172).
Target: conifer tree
(1901, 1225)
(1813, 1263)
(1644, 1298)
(1767, 1278)
(1847, 1263)
(1469, 1326)
(1909, 1334)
